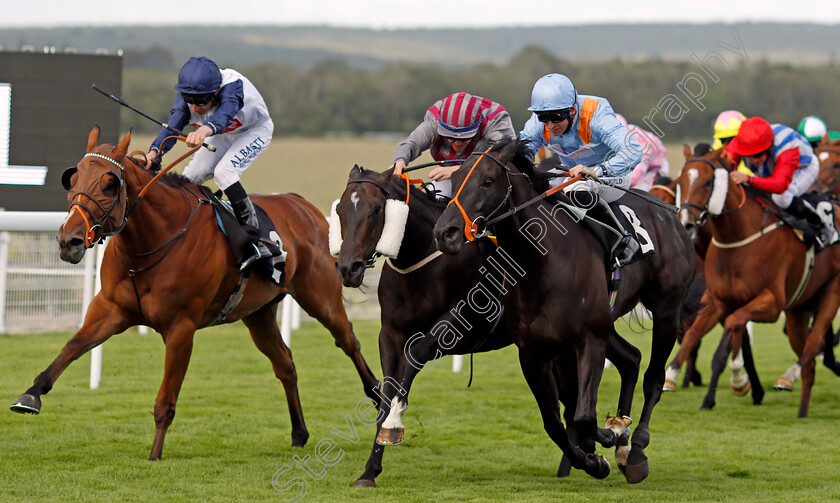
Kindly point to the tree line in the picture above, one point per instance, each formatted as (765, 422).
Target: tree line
(681, 99)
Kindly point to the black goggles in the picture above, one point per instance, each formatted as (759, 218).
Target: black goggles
(198, 99)
(554, 115)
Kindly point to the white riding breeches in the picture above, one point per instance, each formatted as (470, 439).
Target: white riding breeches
(234, 153)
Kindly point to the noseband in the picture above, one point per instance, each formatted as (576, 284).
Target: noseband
(96, 233)
(474, 229)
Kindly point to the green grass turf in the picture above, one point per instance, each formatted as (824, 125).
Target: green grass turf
(485, 443)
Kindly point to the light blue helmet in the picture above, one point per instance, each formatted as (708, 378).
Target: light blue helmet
(553, 92)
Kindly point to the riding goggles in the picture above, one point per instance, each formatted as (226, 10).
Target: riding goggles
(198, 99)
(554, 115)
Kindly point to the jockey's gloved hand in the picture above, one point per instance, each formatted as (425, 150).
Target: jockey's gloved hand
(156, 163)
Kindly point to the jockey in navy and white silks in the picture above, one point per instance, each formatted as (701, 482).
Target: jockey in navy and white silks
(451, 129)
(587, 137)
(230, 114)
(784, 165)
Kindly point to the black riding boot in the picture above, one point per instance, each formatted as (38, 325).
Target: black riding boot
(621, 246)
(247, 218)
(823, 229)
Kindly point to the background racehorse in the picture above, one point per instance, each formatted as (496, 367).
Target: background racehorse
(755, 269)
(447, 300)
(170, 267)
(556, 310)
(828, 183)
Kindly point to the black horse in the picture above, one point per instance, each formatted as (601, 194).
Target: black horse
(432, 304)
(561, 307)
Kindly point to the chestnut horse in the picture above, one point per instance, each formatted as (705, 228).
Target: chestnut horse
(183, 283)
(431, 304)
(755, 269)
(561, 308)
(828, 183)
(739, 382)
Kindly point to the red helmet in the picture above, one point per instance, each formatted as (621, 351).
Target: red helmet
(460, 115)
(755, 136)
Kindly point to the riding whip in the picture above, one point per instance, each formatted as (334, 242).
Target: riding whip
(98, 88)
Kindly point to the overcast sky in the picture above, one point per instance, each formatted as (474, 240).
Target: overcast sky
(384, 14)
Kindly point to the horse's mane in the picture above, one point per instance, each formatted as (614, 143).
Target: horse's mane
(425, 192)
(702, 149)
(663, 180)
(170, 178)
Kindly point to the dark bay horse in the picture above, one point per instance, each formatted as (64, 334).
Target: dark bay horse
(755, 269)
(431, 304)
(419, 290)
(560, 309)
(170, 267)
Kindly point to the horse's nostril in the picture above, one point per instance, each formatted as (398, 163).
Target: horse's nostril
(75, 242)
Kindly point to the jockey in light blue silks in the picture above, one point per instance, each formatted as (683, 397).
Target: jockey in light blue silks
(585, 134)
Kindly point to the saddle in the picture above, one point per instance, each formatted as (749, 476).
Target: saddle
(240, 240)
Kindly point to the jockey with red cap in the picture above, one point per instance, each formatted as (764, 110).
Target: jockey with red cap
(451, 129)
(783, 164)
(229, 113)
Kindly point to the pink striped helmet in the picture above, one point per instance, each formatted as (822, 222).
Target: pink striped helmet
(460, 116)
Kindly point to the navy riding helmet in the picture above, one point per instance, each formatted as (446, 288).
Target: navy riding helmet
(199, 75)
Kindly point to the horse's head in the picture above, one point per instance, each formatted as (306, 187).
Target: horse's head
(96, 193)
(701, 188)
(828, 152)
(482, 187)
(364, 223)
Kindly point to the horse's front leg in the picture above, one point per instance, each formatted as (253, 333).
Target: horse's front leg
(709, 316)
(538, 374)
(103, 319)
(418, 350)
(179, 343)
(392, 359)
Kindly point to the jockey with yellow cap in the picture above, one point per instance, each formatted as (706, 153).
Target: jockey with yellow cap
(726, 127)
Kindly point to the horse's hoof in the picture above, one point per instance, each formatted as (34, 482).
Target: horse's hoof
(636, 473)
(602, 469)
(669, 385)
(390, 436)
(708, 405)
(364, 483)
(565, 467)
(783, 384)
(27, 404)
(299, 438)
(743, 390)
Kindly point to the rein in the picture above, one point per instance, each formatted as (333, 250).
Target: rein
(471, 227)
(168, 245)
(371, 261)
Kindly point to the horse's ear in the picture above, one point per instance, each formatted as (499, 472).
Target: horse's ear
(825, 141)
(508, 151)
(93, 137)
(687, 151)
(122, 148)
(356, 171)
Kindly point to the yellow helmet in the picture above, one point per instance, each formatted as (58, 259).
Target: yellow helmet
(728, 123)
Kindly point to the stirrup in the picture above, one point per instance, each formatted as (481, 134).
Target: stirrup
(624, 252)
(260, 252)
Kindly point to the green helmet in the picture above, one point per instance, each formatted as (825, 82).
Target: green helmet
(812, 128)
